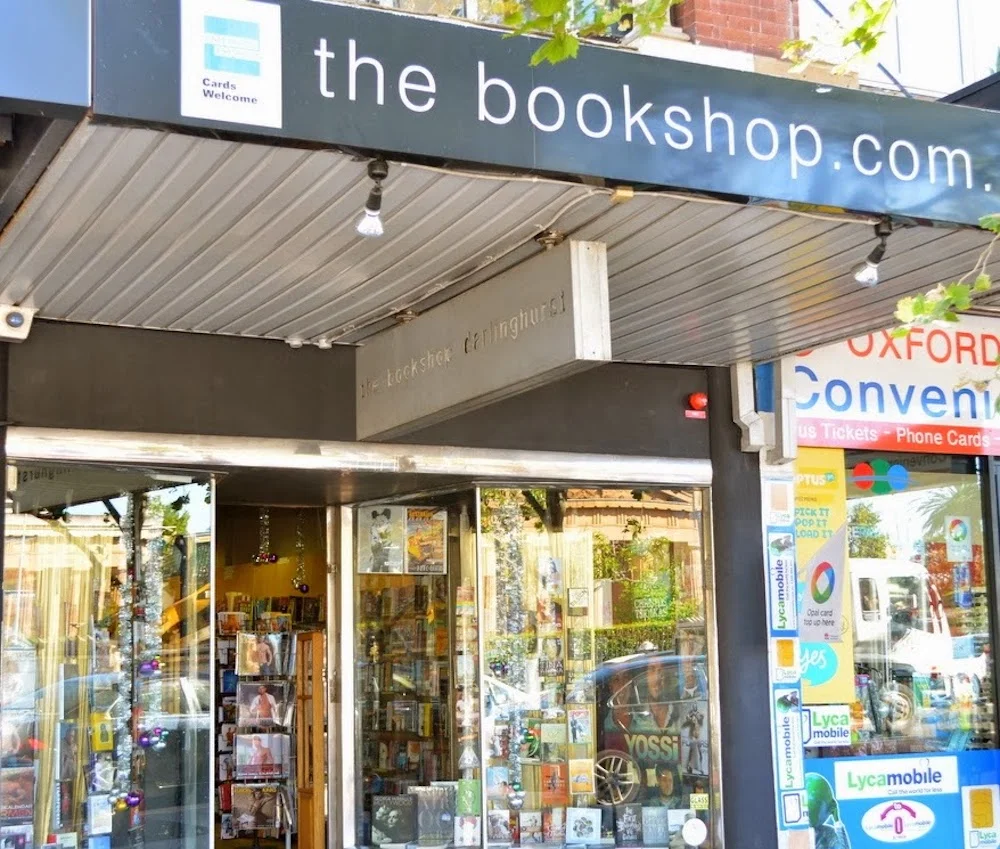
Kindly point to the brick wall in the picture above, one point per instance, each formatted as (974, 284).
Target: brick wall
(756, 26)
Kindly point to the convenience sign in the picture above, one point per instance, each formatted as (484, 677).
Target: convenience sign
(927, 392)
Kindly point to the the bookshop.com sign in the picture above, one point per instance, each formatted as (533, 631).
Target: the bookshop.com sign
(376, 80)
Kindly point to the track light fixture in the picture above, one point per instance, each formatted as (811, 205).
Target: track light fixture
(371, 221)
(867, 274)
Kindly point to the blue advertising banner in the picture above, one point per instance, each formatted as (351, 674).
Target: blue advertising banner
(45, 57)
(928, 801)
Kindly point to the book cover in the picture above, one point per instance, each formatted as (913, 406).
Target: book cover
(655, 826)
(498, 826)
(261, 703)
(581, 726)
(468, 830)
(255, 807)
(578, 601)
(99, 814)
(554, 825)
(227, 829)
(260, 755)
(102, 773)
(227, 733)
(394, 819)
(531, 745)
(17, 836)
(555, 787)
(583, 825)
(581, 775)
(17, 730)
(224, 771)
(578, 644)
(17, 793)
(553, 736)
(497, 782)
(435, 814)
(426, 541)
(226, 797)
(530, 824)
(470, 799)
(628, 825)
(550, 662)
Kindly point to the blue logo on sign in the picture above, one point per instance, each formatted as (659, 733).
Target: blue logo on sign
(232, 46)
(819, 663)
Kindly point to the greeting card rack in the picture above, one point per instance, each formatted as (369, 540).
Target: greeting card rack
(257, 731)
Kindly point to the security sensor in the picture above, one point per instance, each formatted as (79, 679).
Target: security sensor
(15, 323)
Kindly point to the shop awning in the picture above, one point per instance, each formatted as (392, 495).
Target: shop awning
(144, 228)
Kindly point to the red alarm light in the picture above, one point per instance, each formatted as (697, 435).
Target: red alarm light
(698, 401)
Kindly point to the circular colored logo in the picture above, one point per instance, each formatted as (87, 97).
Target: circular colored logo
(823, 580)
(880, 477)
(958, 530)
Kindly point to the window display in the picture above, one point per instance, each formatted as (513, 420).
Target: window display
(532, 667)
(104, 663)
(918, 607)
(596, 687)
(417, 671)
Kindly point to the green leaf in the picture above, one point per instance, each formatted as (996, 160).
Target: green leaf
(548, 8)
(905, 312)
(991, 222)
(558, 48)
(899, 332)
(983, 283)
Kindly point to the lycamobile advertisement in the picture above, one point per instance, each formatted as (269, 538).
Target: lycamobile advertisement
(926, 802)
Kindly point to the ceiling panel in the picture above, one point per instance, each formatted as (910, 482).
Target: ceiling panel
(144, 228)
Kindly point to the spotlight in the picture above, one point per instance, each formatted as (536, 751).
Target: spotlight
(867, 274)
(371, 222)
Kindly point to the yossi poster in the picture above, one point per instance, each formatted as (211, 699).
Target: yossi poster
(824, 578)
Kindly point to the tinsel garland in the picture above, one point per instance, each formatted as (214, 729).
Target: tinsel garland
(511, 615)
(121, 710)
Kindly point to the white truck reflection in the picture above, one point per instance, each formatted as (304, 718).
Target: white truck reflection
(902, 635)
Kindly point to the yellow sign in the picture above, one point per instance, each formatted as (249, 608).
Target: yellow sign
(821, 511)
(101, 732)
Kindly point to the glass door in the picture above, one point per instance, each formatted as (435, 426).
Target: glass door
(105, 658)
(532, 665)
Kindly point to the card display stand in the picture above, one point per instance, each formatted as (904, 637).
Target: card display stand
(256, 733)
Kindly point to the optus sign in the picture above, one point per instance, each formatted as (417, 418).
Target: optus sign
(927, 392)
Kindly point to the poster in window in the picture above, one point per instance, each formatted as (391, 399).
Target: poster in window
(579, 601)
(426, 540)
(381, 539)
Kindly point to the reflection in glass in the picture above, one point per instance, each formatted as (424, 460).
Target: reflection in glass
(920, 609)
(596, 690)
(104, 658)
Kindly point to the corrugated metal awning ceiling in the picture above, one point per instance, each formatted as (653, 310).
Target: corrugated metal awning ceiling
(151, 229)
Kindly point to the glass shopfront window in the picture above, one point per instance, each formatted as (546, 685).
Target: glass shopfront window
(104, 659)
(919, 604)
(532, 666)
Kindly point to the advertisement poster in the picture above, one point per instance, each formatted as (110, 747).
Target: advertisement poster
(381, 537)
(958, 539)
(823, 591)
(927, 801)
(783, 622)
(426, 540)
(820, 514)
(826, 725)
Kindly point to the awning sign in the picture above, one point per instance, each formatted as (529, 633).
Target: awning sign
(928, 392)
